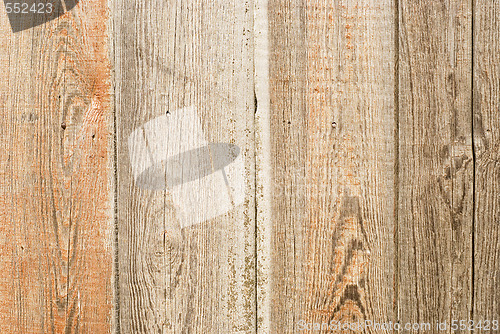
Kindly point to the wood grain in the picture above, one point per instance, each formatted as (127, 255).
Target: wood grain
(287, 71)
(56, 187)
(171, 55)
(332, 131)
(487, 167)
(435, 204)
(263, 168)
(369, 132)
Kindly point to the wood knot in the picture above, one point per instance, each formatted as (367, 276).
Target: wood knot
(455, 157)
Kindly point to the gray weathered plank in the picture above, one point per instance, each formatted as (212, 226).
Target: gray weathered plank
(487, 167)
(333, 159)
(171, 55)
(435, 161)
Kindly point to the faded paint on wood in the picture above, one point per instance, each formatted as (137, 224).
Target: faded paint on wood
(370, 174)
(56, 184)
(168, 56)
(263, 168)
(350, 167)
(435, 203)
(486, 129)
(332, 131)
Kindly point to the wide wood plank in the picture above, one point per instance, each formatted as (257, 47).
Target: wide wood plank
(435, 204)
(333, 159)
(188, 63)
(56, 184)
(487, 167)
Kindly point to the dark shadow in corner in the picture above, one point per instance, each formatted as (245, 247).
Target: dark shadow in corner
(26, 14)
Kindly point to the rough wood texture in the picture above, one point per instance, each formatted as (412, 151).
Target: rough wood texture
(171, 55)
(263, 168)
(435, 204)
(369, 136)
(486, 150)
(288, 148)
(56, 189)
(332, 121)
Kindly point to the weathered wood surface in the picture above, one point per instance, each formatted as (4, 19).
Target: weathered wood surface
(435, 175)
(369, 133)
(486, 126)
(56, 184)
(172, 55)
(333, 159)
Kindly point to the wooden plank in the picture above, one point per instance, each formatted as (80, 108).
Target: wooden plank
(435, 161)
(288, 143)
(333, 160)
(56, 184)
(263, 168)
(176, 59)
(487, 167)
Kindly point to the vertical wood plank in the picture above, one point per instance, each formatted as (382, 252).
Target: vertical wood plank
(487, 171)
(172, 55)
(263, 168)
(287, 70)
(435, 161)
(332, 135)
(56, 184)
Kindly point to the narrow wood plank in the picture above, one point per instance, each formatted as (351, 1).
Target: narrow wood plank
(174, 59)
(263, 167)
(287, 70)
(487, 171)
(332, 135)
(435, 161)
(56, 184)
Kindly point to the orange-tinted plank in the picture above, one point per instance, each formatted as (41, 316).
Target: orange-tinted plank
(56, 165)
